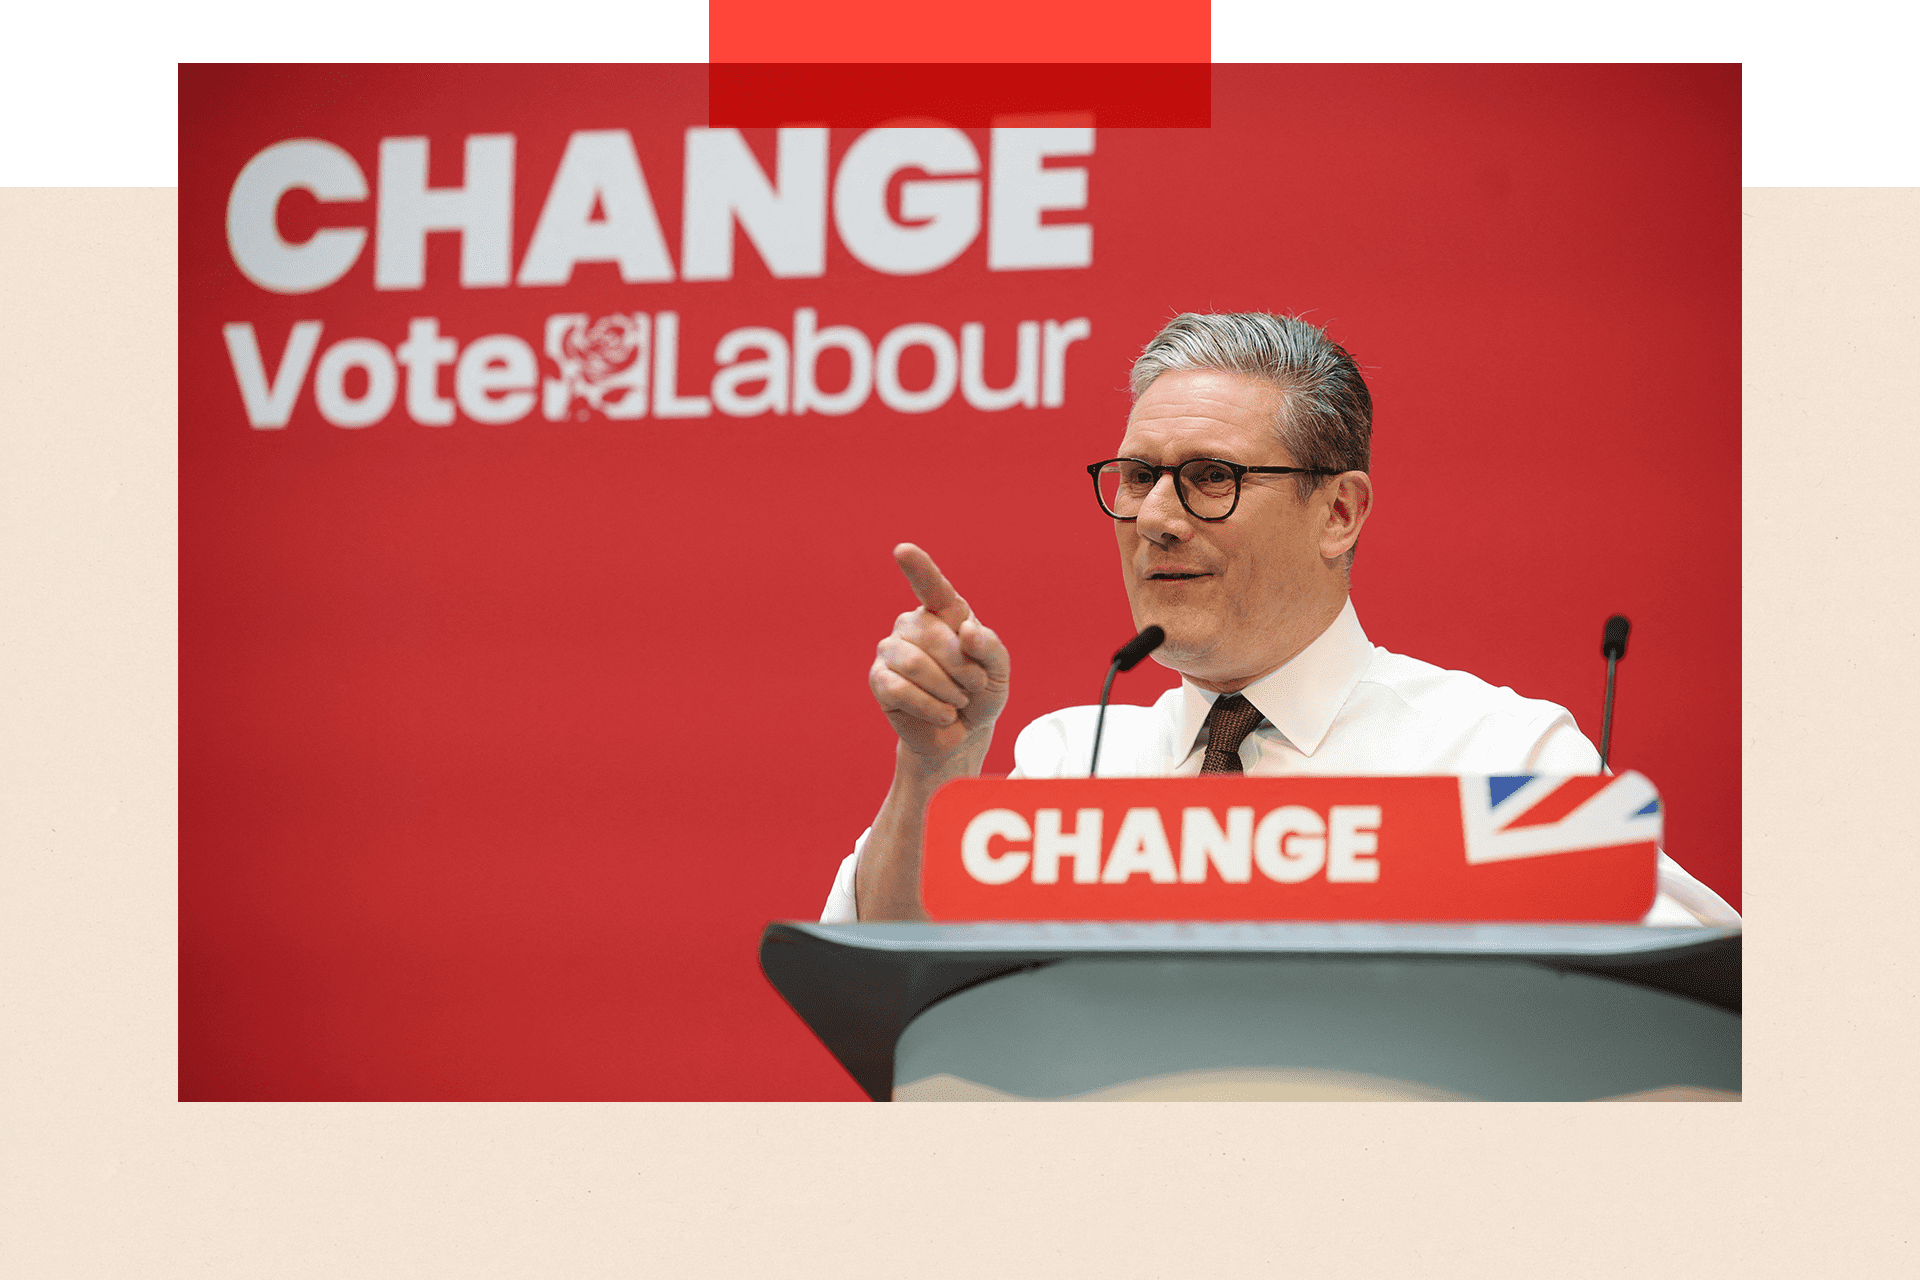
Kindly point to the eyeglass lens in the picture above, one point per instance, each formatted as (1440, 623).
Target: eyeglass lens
(1208, 487)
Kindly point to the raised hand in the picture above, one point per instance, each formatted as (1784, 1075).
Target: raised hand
(941, 676)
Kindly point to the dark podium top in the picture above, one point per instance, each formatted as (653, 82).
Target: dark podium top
(858, 986)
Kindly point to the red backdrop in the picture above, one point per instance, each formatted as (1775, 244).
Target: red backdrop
(501, 741)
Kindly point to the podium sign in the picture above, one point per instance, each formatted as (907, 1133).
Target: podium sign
(1228, 847)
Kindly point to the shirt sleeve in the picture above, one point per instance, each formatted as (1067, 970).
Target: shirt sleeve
(1680, 899)
(1559, 747)
(842, 907)
(1684, 900)
(1040, 749)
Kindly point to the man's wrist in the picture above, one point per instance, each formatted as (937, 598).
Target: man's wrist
(932, 772)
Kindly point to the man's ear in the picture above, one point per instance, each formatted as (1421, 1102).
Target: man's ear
(1348, 501)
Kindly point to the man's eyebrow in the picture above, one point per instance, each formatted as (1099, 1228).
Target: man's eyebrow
(1210, 457)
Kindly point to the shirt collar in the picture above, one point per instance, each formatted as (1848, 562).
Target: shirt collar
(1302, 697)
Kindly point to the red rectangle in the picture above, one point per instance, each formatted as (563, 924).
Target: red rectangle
(1299, 849)
(450, 808)
(982, 31)
(1108, 95)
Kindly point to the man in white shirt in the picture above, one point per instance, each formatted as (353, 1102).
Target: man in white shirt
(1237, 497)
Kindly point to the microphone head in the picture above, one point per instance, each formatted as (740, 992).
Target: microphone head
(1139, 647)
(1613, 641)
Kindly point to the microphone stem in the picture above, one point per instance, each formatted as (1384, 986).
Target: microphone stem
(1100, 722)
(1606, 717)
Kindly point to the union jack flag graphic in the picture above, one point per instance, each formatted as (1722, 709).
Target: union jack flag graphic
(1532, 815)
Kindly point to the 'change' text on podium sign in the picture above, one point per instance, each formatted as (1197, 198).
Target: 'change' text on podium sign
(1517, 848)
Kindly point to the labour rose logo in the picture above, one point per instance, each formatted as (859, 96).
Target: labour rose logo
(603, 363)
(606, 348)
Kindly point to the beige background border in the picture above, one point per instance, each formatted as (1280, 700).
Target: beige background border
(106, 1176)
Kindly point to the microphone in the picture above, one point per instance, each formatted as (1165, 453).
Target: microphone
(1137, 648)
(1613, 647)
(1126, 660)
(1613, 641)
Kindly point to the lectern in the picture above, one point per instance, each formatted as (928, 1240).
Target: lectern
(1282, 938)
(1309, 1010)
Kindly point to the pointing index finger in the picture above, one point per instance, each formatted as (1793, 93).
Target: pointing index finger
(930, 585)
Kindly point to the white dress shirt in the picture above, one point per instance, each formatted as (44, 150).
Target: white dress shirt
(1342, 707)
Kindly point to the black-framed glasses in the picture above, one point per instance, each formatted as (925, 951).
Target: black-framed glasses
(1209, 488)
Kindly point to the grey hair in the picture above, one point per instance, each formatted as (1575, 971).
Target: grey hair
(1326, 413)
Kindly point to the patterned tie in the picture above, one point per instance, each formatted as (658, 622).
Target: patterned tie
(1228, 724)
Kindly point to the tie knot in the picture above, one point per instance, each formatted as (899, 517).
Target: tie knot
(1228, 724)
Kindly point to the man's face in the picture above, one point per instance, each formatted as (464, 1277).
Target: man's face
(1241, 596)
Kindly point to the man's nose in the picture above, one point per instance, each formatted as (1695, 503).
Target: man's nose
(1162, 518)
